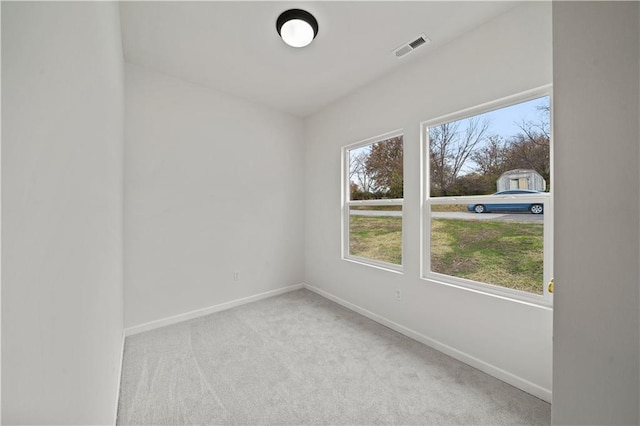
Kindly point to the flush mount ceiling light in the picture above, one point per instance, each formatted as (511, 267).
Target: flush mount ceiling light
(297, 27)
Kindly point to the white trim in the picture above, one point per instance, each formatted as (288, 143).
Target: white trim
(372, 263)
(542, 197)
(369, 141)
(152, 325)
(504, 293)
(505, 376)
(549, 231)
(346, 204)
(380, 202)
(115, 415)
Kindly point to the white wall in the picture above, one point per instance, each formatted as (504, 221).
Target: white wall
(596, 327)
(505, 56)
(62, 131)
(214, 185)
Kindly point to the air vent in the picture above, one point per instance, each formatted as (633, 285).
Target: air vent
(417, 42)
(411, 46)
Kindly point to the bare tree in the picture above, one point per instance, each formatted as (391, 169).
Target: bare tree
(530, 148)
(490, 157)
(358, 171)
(450, 148)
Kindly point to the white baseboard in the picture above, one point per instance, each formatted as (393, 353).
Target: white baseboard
(505, 376)
(115, 414)
(206, 311)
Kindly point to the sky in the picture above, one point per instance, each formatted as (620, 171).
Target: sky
(503, 121)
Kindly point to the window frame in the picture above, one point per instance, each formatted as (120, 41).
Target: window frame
(426, 201)
(347, 203)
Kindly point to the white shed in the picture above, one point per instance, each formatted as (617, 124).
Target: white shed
(521, 179)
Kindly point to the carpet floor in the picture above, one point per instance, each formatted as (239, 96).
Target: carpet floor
(301, 359)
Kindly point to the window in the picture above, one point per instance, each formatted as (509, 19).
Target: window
(372, 201)
(488, 213)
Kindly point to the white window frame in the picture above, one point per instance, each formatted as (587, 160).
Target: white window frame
(347, 203)
(546, 299)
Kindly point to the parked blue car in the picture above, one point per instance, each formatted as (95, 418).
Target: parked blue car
(510, 206)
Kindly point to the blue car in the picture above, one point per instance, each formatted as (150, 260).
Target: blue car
(510, 206)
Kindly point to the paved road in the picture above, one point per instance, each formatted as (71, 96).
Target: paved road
(523, 217)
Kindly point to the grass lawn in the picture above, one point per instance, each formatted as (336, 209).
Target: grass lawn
(376, 237)
(448, 207)
(504, 253)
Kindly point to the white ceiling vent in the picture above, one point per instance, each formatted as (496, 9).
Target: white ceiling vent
(411, 46)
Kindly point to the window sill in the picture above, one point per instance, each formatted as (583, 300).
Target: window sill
(498, 292)
(389, 267)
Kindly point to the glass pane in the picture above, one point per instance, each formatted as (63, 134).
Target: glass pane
(504, 149)
(375, 232)
(503, 245)
(376, 171)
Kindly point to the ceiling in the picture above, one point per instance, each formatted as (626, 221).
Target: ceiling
(233, 47)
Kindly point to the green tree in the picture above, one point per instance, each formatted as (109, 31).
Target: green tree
(384, 167)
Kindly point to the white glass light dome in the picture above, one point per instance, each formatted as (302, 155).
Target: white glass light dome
(296, 33)
(297, 27)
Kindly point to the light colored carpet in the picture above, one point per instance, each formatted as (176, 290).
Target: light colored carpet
(301, 359)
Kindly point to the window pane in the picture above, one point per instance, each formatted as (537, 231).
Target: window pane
(375, 170)
(504, 149)
(375, 232)
(503, 247)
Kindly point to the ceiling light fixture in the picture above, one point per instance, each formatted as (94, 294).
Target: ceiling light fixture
(297, 27)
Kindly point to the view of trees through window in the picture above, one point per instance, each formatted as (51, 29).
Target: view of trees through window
(469, 156)
(498, 239)
(492, 239)
(375, 170)
(374, 207)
